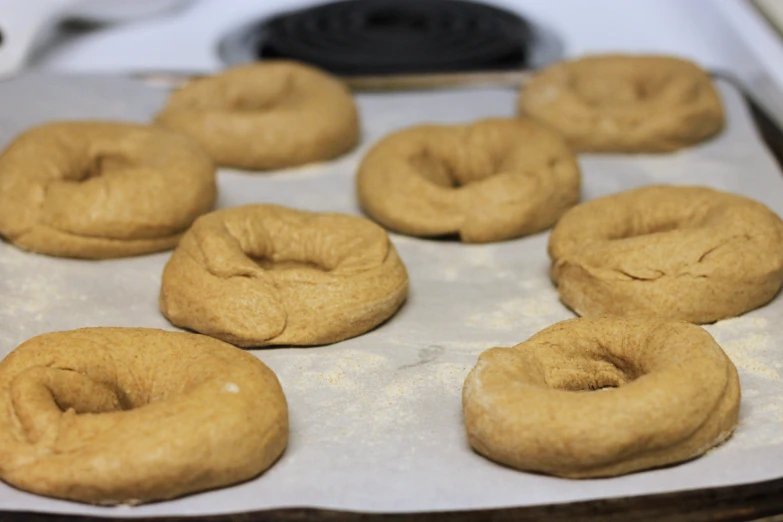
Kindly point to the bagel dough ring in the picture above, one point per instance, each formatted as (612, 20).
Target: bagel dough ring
(668, 394)
(101, 190)
(263, 275)
(689, 253)
(131, 415)
(619, 103)
(492, 180)
(266, 115)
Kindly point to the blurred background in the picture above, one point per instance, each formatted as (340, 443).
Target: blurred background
(359, 37)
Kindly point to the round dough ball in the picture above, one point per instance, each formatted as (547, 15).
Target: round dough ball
(596, 397)
(263, 275)
(130, 415)
(100, 190)
(492, 180)
(620, 103)
(689, 253)
(266, 115)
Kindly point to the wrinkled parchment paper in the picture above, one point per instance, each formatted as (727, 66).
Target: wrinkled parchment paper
(376, 421)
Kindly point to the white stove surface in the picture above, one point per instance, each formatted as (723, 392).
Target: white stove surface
(720, 34)
(187, 39)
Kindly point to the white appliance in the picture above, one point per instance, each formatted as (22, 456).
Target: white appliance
(727, 35)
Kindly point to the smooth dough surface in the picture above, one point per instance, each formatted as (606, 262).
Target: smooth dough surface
(625, 103)
(266, 115)
(262, 275)
(690, 253)
(102, 189)
(492, 180)
(596, 397)
(130, 415)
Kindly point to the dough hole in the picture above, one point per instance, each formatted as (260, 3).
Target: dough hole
(105, 163)
(247, 104)
(441, 172)
(648, 229)
(434, 170)
(600, 374)
(288, 264)
(41, 395)
(605, 93)
(100, 165)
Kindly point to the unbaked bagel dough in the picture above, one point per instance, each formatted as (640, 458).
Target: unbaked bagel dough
(492, 180)
(690, 253)
(596, 397)
(102, 189)
(262, 275)
(129, 415)
(625, 103)
(266, 115)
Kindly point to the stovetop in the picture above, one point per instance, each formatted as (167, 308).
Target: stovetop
(722, 35)
(189, 39)
(363, 37)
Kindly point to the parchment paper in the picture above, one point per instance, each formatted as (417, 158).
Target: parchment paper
(376, 421)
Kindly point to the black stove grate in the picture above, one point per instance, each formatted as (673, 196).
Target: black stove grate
(359, 37)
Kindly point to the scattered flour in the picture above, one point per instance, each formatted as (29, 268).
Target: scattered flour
(343, 370)
(749, 343)
(534, 312)
(746, 341)
(29, 292)
(365, 395)
(473, 258)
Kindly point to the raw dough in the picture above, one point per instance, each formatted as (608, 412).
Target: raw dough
(689, 253)
(619, 103)
(101, 189)
(129, 415)
(491, 180)
(262, 275)
(266, 115)
(672, 394)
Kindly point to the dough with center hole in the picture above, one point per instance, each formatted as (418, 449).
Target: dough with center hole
(625, 103)
(129, 415)
(102, 189)
(597, 397)
(492, 180)
(690, 253)
(266, 115)
(261, 275)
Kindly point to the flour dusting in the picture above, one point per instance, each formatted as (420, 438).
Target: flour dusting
(364, 393)
(748, 342)
(531, 312)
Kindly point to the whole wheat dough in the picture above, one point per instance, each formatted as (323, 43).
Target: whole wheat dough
(130, 415)
(492, 180)
(596, 397)
(625, 103)
(102, 189)
(262, 275)
(266, 115)
(689, 253)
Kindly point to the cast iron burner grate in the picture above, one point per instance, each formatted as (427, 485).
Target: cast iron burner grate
(365, 37)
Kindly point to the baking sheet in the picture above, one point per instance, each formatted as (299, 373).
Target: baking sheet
(376, 420)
